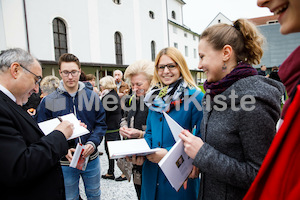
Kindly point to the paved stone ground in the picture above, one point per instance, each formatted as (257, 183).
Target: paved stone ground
(111, 189)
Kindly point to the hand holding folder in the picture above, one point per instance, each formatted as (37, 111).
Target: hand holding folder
(176, 165)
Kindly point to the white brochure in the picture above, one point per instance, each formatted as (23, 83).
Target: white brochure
(123, 148)
(49, 125)
(176, 164)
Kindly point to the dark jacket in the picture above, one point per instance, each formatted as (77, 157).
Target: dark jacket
(30, 166)
(86, 106)
(88, 85)
(274, 75)
(111, 102)
(136, 116)
(236, 141)
(262, 73)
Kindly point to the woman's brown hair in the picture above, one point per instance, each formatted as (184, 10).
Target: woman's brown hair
(242, 36)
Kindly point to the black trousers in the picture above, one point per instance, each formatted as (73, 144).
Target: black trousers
(137, 171)
(111, 162)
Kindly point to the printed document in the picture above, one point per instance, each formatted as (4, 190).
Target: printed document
(176, 164)
(123, 148)
(49, 125)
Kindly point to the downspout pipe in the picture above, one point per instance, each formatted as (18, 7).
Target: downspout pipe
(168, 23)
(26, 26)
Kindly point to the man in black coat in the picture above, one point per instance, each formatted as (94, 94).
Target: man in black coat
(30, 167)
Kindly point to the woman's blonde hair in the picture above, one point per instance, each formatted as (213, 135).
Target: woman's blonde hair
(108, 82)
(243, 37)
(178, 58)
(145, 67)
(49, 84)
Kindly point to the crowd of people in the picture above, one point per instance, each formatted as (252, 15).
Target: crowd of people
(229, 132)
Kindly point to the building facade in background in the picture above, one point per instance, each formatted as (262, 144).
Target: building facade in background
(104, 34)
(278, 47)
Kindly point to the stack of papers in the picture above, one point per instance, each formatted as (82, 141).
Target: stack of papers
(49, 125)
(123, 148)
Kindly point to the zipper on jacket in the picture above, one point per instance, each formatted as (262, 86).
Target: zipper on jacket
(75, 113)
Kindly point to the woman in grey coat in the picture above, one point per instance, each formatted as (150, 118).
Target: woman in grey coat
(240, 111)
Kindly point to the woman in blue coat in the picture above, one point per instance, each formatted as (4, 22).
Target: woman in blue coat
(175, 93)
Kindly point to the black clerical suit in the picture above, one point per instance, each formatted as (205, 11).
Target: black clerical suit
(30, 167)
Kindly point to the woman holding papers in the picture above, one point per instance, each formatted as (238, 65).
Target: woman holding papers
(139, 75)
(175, 93)
(240, 113)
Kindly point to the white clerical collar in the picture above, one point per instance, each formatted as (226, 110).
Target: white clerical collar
(8, 93)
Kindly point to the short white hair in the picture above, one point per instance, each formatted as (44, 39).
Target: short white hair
(145, 67)
(118, 71)
(108, 82)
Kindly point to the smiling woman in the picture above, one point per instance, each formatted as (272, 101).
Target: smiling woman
(281, 165)
(173, 85)
(235, 138)
(287, 11)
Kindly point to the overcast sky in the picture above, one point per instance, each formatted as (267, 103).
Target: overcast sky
(197, 14)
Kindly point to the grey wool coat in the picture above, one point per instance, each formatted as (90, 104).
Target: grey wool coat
(236, 141)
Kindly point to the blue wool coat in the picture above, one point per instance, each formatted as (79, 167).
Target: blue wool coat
(158, 134)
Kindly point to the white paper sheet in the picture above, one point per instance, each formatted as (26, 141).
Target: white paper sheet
(123, 148)
(49, 125)
(174, 126)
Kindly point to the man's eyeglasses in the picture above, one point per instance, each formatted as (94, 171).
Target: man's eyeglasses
(169, 66)
(39, 78)
(66, 73)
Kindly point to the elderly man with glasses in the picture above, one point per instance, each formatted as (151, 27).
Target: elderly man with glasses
(30, 166)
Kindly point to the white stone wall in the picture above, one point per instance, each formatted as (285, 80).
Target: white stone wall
(13, 24)
(91, 26)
